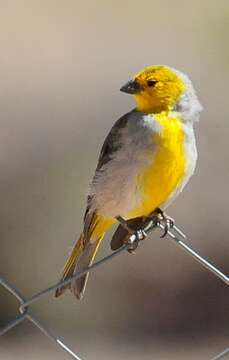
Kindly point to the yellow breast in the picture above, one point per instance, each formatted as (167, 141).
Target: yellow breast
(167, 166)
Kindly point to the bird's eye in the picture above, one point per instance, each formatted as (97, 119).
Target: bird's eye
(151, 83)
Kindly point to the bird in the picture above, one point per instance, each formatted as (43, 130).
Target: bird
(146, 160)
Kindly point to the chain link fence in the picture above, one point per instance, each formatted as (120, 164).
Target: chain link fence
(174, 234)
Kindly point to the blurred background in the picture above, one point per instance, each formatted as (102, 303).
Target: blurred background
(62, 64)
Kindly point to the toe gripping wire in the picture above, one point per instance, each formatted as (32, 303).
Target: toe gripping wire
(159, 221)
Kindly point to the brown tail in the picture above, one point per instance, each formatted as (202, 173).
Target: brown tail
(81, 257)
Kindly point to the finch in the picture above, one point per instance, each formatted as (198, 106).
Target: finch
(146, 160)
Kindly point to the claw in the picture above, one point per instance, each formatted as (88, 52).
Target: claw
(167, 221)
(141, 234)
(134, 240)
(134, 235)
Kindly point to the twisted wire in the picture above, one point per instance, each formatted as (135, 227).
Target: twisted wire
(24, 308)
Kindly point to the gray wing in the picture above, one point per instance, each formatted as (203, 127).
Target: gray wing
(111, 144)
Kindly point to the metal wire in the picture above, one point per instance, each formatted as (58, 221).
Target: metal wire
(222, 355)
(174, 233)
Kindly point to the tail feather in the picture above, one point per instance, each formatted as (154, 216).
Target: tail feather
(84, 252)
(70, 265)
(86, 259)
(81, 257)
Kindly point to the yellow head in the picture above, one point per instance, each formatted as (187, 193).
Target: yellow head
(156, 88)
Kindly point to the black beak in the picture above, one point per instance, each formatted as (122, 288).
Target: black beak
(131, 87)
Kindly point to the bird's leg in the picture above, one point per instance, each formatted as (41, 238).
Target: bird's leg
(135, 235)
(134, 239)
(163, 218)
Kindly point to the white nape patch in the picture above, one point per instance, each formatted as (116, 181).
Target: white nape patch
(188, 104)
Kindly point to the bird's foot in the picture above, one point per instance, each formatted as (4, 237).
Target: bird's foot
(135, 235)
(162, 219)
(134, 239)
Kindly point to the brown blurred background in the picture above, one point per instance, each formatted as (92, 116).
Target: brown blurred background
(61, 66)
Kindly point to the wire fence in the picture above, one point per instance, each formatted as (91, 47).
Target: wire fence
(173, 233)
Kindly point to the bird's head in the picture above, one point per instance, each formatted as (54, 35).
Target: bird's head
(160, 88)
